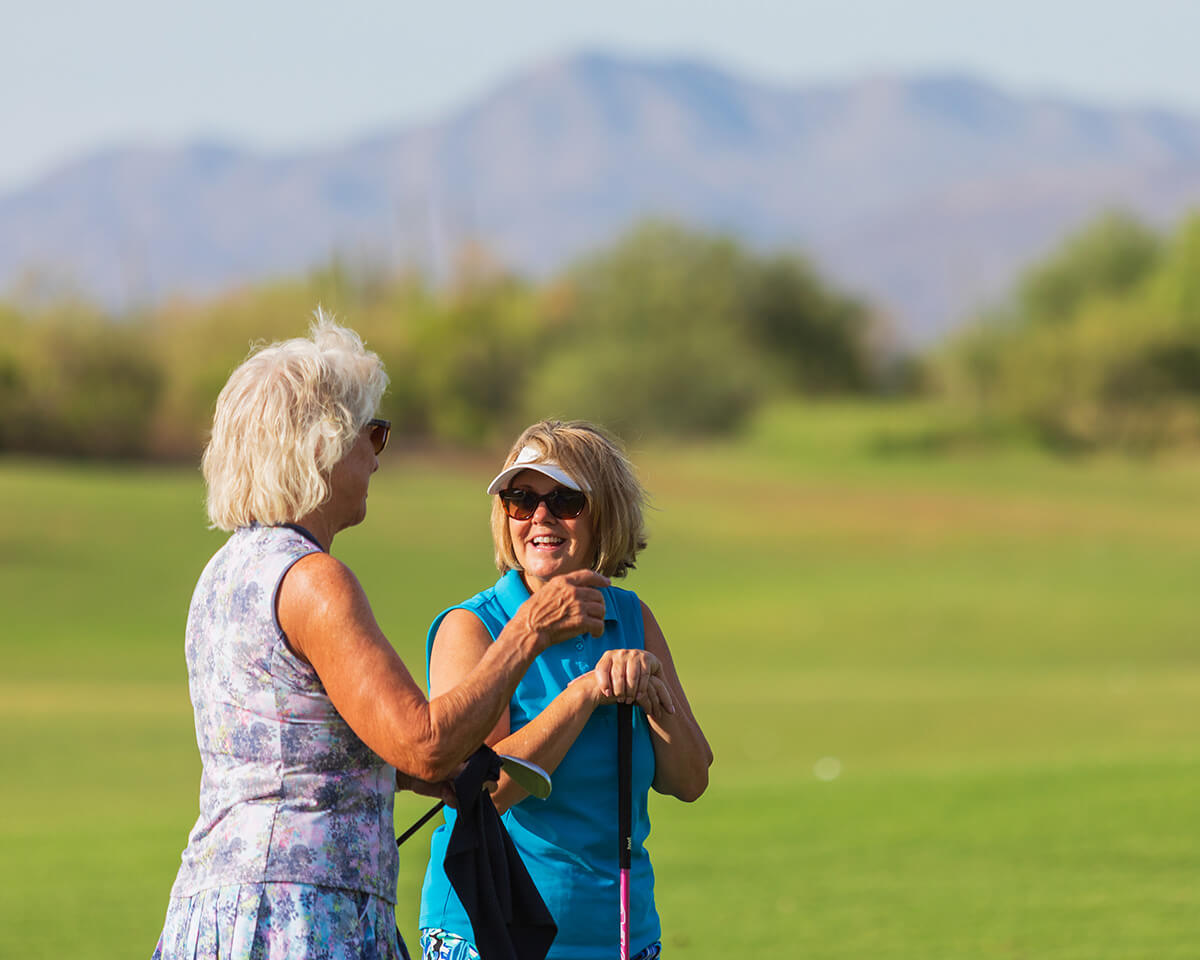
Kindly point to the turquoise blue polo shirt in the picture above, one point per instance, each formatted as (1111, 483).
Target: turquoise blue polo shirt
(569, 841)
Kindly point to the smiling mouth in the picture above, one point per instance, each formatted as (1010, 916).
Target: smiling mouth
(547, 542)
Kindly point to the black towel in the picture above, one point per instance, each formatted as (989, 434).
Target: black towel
(507, 914)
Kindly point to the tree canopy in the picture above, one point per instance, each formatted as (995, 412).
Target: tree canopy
(669, 330)
(1100, 346)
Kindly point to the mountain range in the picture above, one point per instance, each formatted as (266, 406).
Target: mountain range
(924, 194)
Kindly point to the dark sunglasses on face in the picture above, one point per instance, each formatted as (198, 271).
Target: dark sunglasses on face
(380, 431)
(563, 502)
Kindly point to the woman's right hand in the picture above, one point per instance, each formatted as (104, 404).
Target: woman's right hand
(565, 607)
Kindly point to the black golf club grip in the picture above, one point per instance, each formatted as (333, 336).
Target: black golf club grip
(625, 780)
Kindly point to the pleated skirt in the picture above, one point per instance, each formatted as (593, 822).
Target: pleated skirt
(279, 921)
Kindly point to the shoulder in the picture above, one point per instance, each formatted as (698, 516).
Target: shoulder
(317, 584)
(317, 570)
(486, 607)
(474, 612)
(615, 590)
(321, 603)
(626, 603)
(483, 598)
(476, 619)
(459, 621)
(457, 640)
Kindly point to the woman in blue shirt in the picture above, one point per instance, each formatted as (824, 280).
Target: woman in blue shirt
(568, 500)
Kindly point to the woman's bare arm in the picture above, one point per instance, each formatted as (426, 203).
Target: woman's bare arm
(632, 676)
(329, 623)
(682, 755)
(461, 643)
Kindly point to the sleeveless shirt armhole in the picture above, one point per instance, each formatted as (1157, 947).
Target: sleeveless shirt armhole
(639, 620)
(436, 625)
(632, 615)
(286, 644)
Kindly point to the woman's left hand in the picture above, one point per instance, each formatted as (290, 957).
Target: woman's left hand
(633, 676)
(441, 790)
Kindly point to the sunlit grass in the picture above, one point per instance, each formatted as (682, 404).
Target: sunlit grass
(998, 650)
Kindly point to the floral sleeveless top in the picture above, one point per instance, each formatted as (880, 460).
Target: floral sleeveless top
(288, 792)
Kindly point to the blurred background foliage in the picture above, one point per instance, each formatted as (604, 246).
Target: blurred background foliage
(1098, 348)
(670, 331)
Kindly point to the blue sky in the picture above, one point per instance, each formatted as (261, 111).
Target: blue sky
(77, 76)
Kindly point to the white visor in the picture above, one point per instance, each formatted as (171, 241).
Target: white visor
(531, 458)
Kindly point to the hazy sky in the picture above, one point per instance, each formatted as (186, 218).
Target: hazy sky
(77, 75)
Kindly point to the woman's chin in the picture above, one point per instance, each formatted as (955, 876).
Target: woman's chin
(547, 568)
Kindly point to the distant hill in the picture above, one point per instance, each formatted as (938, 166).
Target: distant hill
(925, 194)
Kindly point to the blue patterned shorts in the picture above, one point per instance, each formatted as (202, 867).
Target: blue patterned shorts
(440, 945)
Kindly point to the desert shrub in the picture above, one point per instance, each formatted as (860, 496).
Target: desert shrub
(1100, 347)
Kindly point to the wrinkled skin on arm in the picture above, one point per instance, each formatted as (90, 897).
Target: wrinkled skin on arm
(646, 678)
(329, 623)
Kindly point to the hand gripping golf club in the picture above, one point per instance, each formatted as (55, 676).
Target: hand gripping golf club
(625, 812)
(524, 773)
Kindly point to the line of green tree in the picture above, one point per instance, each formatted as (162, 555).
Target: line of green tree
(1097, 348)
(670, 330)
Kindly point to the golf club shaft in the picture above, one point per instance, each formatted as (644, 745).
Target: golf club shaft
(420, 823)
(625, 812)
(528, 775)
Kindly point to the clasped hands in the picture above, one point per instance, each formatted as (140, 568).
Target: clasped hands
(630, 676)
(573, 604)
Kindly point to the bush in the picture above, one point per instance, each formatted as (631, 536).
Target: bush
(84, 386)
(1102, 346)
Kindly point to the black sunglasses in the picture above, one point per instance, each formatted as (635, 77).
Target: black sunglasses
(380, 431)
(563, 502)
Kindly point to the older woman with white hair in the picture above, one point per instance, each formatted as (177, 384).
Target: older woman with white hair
(306, 718)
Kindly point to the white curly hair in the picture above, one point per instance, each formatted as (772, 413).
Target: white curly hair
(285, 417)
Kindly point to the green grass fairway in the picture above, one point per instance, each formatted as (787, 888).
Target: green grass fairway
(955, 703)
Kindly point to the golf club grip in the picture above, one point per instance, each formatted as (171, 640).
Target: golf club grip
(625, 780)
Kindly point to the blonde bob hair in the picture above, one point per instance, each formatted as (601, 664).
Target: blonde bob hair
(616, 499)
(284, 419)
